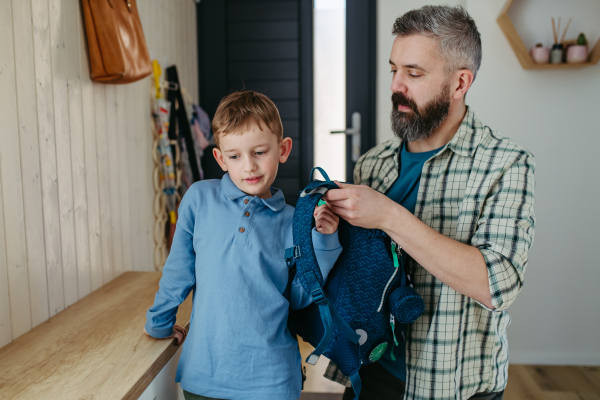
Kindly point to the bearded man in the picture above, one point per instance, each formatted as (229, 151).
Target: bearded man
(457, 197)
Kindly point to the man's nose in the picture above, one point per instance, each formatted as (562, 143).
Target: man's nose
(398, 85)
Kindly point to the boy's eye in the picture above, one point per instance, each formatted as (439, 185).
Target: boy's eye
(260, 153)
(233, 157)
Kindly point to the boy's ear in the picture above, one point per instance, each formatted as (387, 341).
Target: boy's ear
(219, 157)
(285, 147)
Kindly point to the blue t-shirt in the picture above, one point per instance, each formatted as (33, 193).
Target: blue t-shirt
(229, 247)
(404, 192)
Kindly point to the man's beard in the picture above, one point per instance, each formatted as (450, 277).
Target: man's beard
(420, 123)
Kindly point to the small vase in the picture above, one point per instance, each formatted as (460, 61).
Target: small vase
(557, 54)
(577, 54)
(540, 55)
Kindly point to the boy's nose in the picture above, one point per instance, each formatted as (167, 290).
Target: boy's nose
(249, 165)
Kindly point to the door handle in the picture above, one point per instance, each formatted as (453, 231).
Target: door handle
(355, 132)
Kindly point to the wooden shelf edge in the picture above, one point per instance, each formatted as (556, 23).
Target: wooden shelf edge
(515, 41)
(560, 66)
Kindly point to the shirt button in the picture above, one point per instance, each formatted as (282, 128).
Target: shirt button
(242, 230)
(246, 201)
(247, 214)
(386, 179)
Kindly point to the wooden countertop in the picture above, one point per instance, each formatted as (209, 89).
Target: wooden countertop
(94, 349)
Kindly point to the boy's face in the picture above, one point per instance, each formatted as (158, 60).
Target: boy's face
(252, 159)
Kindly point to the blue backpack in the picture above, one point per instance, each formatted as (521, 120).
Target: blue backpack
(353, 318)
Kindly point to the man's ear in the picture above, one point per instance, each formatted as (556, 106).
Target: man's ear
(464, 81)
(285, 147)
(219, 157)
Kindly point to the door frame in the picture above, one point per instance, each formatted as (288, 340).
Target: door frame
(361, 74)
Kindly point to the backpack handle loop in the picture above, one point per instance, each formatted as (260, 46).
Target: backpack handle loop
(322, 173)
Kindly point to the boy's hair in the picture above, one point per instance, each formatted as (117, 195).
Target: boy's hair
(239, 110)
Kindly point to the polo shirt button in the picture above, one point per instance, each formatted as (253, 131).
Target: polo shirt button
(247, 214)
(246, 201)
(242, 230)
(386, 179)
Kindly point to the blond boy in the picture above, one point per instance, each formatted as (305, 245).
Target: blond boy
(229, 246)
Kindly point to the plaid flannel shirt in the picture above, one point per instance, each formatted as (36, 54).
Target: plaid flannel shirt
(477, 190)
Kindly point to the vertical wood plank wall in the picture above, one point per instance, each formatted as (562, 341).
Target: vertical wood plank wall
(76, 194)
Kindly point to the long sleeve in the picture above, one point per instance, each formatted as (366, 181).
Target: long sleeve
(327, 250)
(178, 277)
(505, 231)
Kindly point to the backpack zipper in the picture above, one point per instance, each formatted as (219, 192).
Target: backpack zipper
(396, 265)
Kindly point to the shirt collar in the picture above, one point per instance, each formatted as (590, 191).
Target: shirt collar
(276, 202)
(464, 141)
(468, 136)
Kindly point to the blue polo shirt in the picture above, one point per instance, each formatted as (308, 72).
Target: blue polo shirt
(229, 247)
(404, 191)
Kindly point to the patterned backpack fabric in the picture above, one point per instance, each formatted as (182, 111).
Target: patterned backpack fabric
(353, 318)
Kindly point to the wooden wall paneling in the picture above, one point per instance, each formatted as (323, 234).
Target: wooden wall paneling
(114, 172)
(132, 96)
(173, 28)
(30, 164)
(58, 53)
(185, 43)
(47, 142)
(12, 191)
(147, 194)
(194, 49)
(91, 161)
(5, 331)
(123, 156)
(104, 187)
(71, 17)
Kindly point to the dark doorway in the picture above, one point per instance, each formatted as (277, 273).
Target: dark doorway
(264, 46)
(267, 46)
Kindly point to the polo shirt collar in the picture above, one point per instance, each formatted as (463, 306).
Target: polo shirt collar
(276, 202)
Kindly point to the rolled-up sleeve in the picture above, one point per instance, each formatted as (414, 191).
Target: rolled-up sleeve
(178, 276)
(505, 230)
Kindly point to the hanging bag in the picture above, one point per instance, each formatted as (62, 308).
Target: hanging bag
(116, 44)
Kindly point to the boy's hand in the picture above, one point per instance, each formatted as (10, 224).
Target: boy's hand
(326, 221)
(179, 333)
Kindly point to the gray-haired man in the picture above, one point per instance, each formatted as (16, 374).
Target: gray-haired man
(458, 198)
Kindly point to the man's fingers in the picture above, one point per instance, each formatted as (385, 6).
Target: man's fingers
(342, 212)
(337, 194)
(342, 185)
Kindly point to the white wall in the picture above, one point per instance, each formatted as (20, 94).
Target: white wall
(556, 319)
(76, 194)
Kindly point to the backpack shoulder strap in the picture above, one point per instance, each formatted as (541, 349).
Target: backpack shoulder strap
(307, 267)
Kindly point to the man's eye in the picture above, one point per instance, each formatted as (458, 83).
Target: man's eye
(393, 71)
(414, 76)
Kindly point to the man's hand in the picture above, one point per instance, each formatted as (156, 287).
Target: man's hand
(326, 221)
(179, 333)
(360, 205)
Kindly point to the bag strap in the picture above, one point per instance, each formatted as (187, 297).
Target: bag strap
(308, 268)
(322, 173)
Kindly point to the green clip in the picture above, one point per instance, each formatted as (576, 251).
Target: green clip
(321, 202)
(395, 256)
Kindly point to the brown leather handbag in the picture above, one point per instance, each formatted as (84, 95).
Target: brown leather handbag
(116, 44)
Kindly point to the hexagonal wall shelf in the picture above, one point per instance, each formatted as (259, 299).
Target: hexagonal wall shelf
(523, 54)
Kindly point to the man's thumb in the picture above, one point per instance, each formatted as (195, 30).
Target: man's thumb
(342, 185)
